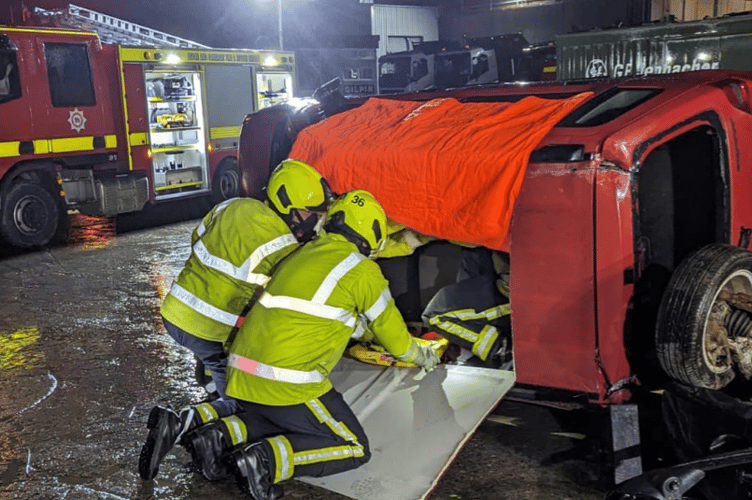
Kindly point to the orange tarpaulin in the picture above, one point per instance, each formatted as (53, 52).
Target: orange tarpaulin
(444, 168)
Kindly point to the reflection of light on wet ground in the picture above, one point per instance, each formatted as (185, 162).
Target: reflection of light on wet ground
(13, 348)
(52, 388)
(91, 233)
(160, 279)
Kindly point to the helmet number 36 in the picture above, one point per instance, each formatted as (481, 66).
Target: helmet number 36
(358, 200)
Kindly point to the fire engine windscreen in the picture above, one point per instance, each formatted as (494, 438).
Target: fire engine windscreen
(444, 168)
(10, 85)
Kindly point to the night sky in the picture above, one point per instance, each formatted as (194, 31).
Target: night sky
(231, 23)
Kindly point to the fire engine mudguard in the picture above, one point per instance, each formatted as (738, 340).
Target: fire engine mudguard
(704, 318)
(29, 215)
(226, 180)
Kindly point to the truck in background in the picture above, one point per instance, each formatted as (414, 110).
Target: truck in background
(664, 47)
(412, 70)
(107, 128)
(538, 63)
(355, 67)
(442, 65)
(503, 53)
(351, 58)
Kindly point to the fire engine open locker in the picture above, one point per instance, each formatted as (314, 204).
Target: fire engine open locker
(106, 128)
(185, 124)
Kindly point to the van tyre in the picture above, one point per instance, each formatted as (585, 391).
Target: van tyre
(692, 340)
(226, 183)
(29, 215)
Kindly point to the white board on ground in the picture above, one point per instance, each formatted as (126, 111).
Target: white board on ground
(416, 424)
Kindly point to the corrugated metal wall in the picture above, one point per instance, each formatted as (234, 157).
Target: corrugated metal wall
(403, 21)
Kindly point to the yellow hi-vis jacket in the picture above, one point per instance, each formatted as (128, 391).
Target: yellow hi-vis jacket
(299, 328)
(235, 248)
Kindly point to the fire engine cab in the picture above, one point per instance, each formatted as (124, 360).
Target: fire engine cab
(106, 128)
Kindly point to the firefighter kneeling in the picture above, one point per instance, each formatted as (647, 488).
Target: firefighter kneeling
(294, 422)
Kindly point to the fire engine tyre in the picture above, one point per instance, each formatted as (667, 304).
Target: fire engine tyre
(692, 340)
(29, 215)
(226, 180)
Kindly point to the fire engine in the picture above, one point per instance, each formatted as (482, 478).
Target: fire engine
(105, 128)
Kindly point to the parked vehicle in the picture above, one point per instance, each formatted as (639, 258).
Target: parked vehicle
(629, 238)
(355, 66)
(105, 128)
(442, 65)
(412, 70)
(537, 63)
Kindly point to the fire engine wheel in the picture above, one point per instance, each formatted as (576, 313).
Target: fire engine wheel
(704, 327)
(29, 215)
(226, 180)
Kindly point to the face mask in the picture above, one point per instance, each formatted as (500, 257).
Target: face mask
(306, 230)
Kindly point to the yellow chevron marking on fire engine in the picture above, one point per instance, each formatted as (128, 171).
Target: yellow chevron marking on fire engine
(53, 31)
(202, 56)
(224, 132)
(8, 149)
(139, 138)
(41, 146)
(61, 145)
(71, 144)
(124, 100)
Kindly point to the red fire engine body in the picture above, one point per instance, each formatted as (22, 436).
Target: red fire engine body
(105, 128)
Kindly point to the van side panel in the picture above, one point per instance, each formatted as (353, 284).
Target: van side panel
(552, 291)
(614, 270)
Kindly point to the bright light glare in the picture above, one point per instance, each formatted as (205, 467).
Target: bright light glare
(703, 56)
(270, 61)
(172, 59)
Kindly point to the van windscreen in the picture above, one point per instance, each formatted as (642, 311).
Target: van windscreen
(607, 106)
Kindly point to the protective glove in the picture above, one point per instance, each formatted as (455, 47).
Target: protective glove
(426, 358)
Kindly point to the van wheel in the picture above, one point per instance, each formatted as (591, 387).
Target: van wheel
(704, 311)
(29, 215)
(226, 180)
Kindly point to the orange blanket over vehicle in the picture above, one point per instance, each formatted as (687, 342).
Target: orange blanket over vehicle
(444, 168)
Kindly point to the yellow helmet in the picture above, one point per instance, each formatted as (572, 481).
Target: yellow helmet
(361, 219)
(295, 186)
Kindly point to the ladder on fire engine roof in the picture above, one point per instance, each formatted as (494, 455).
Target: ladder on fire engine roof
(111, 29)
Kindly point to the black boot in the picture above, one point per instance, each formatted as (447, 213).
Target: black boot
(207, 445)
(500, 356)
(165, 428)
(252, 467)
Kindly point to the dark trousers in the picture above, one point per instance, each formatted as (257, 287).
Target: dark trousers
(317, 438)
(214, 357)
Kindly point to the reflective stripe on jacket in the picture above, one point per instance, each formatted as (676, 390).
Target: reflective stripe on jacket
(235, 248)
(304, 319)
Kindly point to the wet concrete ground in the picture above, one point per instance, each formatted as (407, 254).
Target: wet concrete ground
(83, 358)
